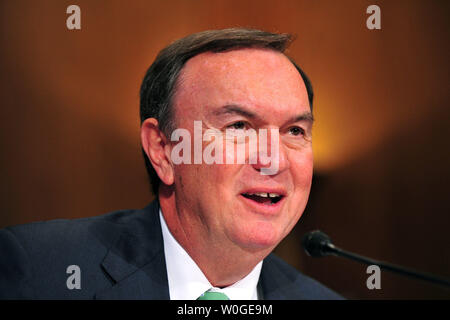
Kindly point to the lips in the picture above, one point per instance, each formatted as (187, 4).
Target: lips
(264, 200)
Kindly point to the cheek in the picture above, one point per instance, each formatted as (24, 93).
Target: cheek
(221, 179)
(302, 172)
(214, 182)
(302, 169)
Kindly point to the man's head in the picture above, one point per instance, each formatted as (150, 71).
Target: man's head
(159, 84)
(239, 80)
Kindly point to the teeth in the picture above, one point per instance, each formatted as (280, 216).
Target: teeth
(273, 195)
(264, 194)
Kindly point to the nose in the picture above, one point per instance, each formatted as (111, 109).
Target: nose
(271, 157)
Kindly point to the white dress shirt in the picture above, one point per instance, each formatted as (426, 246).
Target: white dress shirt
(187, 281)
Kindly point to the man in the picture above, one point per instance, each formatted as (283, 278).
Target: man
(211, 230)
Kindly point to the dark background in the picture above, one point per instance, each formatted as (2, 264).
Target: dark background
(69, 128)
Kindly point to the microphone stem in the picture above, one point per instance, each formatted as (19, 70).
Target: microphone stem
(387, 266)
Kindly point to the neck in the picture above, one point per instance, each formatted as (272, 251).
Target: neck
(221, 261)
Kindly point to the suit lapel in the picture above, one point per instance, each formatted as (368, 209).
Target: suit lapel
(136, 263)
(275, 284)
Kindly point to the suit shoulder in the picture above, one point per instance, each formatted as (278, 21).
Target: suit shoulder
(39, 253)
(69, 228)
(288, 283)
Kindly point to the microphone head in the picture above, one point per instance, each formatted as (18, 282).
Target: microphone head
(316, 243)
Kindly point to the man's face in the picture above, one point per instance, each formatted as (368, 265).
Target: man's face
(241, 90)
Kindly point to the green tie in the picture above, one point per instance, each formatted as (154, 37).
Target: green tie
(211, 295)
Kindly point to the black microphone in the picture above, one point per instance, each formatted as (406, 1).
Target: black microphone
(318, 244)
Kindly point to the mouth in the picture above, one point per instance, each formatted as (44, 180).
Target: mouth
(265, 198)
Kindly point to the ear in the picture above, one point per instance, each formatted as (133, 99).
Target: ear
(157, 148)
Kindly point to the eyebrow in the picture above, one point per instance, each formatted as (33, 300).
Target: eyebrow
(237, 109)
(306, 116)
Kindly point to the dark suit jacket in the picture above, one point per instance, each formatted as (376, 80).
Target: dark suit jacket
(120, 255)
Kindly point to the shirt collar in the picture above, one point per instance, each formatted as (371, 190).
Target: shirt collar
(187, 281)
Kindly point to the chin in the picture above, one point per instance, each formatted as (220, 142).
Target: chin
(257, 236)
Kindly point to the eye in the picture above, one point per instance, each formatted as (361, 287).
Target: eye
(239, 125)
(296, 131)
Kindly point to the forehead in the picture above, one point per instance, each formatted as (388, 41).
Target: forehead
(254, 77)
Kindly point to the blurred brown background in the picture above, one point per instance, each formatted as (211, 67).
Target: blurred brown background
(70, 128)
